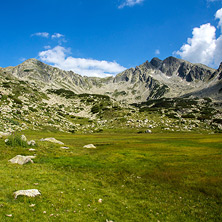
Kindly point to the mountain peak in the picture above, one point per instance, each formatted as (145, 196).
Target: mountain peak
(156, 62)
(32, 60)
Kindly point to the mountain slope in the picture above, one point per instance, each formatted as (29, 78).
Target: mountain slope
(171, 77)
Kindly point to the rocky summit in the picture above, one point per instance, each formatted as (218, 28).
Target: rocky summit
(37, 96)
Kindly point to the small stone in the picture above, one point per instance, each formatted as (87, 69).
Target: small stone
(23, 138)
(100, 200)
(31, 205)
(89, 146)
(31, 143)
(8, 215)
(31, 149)
(148, 131)
(64, 147)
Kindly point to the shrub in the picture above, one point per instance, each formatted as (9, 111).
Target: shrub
(16, 140)
(95, 109)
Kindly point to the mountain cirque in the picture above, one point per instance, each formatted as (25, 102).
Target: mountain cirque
(169, 78)
(172, 94)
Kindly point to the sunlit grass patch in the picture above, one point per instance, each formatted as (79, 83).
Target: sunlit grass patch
(139, 177)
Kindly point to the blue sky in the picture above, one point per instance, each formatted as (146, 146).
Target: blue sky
(103, 37)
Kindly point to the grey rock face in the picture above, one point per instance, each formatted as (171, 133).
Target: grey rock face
(171, 77)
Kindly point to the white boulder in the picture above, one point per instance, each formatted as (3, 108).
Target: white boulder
(19, 159)
(2, 134)
(23, 138)
(31, 149)
(31, 143)
(89, 146)
(52, 140)
(64, 147)
(28, 193)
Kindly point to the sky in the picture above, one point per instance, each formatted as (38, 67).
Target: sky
(105, 37)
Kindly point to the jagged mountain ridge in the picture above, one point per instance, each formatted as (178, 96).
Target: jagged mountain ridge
(171, 77)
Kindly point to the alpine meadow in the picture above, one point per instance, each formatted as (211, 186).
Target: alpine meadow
(111, 111)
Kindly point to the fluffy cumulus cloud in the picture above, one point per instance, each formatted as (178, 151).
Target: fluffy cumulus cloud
(41, 34)
(58, 57)
(130, 3)
(204, 46)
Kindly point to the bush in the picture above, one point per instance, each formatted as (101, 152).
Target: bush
(16, 140)
(95, 109)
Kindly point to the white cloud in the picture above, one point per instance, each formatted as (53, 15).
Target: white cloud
(41, 34)
(89, 67)
(22, 59)
(130, 3)
(157, 51)
(47, 47)
(219, 16)
(204, 47)
(57, 35)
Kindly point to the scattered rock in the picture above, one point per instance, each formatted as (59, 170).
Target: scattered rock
(31, 143)
(89, 146)
(19, 159)
(31, 149)
(6, 141)
(2, 134)
(148, 131)
(64, 147)
(51, 139)
(8, 215)
(23, 138)
(100, 200)
(28, 193)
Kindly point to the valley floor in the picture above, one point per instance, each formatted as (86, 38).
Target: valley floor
(138, 177)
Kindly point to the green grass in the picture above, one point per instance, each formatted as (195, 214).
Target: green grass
(139, 177)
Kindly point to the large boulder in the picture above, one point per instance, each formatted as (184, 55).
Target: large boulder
(21, 160)
(52, 140)
(28, 193)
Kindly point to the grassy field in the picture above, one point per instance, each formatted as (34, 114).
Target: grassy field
(139, 177)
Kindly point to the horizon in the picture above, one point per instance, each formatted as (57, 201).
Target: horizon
(123, 70)
(105, 38)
